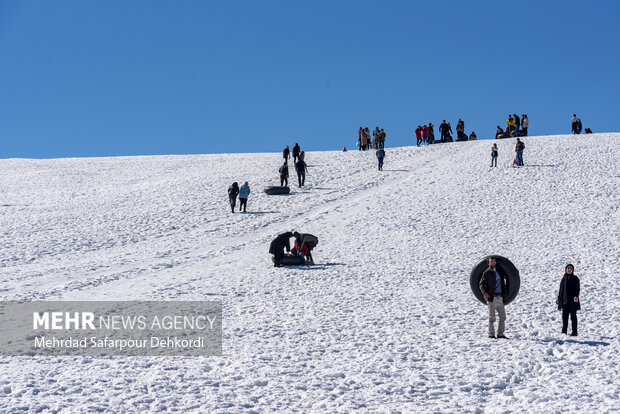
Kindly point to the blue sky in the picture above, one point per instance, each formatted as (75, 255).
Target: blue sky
(95, 78)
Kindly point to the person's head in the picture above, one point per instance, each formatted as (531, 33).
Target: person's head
(235, 184)
(444, 121)
(494, 145)
(492, 262)
(287, 146)
(296, 235)
(569, 269)
(296, 143)
(574, 114)
(518, 140)
(246, 183)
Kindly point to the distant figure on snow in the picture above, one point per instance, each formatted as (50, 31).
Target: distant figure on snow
(296, 150)
(425, 135)
(431, 133)
(575, 125)
(517, 125)
(494, 155)
(588, 131)
(568, 299)
(286, 153)
(301, 168)
(499, 132)
(278, 245)
(418, 135)
(304, 243)
(380, 155)
(233, 192)
(494, 286)
(525, 123)
(244, 192)
(443, 130)
(473, 136)
(283, 174)
(519, 150)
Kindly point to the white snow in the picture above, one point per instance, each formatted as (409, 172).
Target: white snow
(384, 322)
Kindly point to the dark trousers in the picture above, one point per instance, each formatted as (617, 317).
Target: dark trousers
(243, 203)
(419, 141)
(380, 163)
(573, 319)
(295, 158)
(277, 257)
(233, 201)
(301, 176)
(524, 132)
(443, 136)
(283, 181)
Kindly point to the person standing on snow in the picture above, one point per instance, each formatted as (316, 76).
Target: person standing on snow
(525, 123)
(573, 124)
(244, 192)
(511, 124)
(233, 192)
(286, 153)
(283, 174)
(380, 153)
(494, 154)
(494, 286)
(519, 149)
(425, 135)
(418, 135)
(301, 168)
(431, 133)
(443, 130)
(473, 136)
(517, 124)
(296, 150)
(568, 299)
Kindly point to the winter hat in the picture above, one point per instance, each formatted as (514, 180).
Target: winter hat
(246, 183)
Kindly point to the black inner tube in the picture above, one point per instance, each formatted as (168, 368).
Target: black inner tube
(512, 276)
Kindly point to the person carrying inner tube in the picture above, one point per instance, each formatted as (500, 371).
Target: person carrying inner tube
(278, 245)
(494, 286)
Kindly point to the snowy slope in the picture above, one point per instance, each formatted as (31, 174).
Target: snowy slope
(384, 322)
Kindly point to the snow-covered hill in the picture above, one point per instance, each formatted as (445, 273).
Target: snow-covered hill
(385, 321)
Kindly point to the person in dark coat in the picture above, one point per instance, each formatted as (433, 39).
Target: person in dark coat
(296, 150)
(443, 130)
(233, 192)
(286, 154)
(517, 124)
(568, 299)
(519, 150)
(301, 168)
(431, 133)
(494, 287)
(278, 245)
(283, 174)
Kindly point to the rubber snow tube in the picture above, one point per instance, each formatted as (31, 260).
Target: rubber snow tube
(291, 260)
(277, 190)
(512, 276)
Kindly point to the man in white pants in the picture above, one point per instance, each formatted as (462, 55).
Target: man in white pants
(493, 286)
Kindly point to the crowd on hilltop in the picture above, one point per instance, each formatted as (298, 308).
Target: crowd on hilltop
(515, 127)
(364, 142)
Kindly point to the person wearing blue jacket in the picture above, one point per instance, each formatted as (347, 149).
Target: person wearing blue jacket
(380, 155)
(244, 192)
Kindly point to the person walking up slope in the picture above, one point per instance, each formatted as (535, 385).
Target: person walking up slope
(296, 150)
(380, 155)
(568, 299)
(283, 174)
(301, 168)
(244, 192)
(233, 192)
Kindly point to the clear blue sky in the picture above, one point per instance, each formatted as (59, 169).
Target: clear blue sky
(100, 78)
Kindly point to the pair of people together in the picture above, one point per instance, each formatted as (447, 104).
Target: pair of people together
(301, 168)
(243, 193)
(304, 243)
(494, 287)
(297, 153)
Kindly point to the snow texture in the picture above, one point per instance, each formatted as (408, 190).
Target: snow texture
(384, 322)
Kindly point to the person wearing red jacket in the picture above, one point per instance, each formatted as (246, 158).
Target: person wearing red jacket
(424, 134)
(418, 135)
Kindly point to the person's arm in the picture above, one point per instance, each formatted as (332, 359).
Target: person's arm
(578, 289)
(481, 286)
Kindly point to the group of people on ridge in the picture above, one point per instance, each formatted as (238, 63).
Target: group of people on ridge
(516, 127)
(494, 288)
(365, 143)
(301, 168)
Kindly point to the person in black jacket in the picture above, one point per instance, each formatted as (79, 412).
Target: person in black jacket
(233, 192)
(443, 130)
(568, 299)
(283, 174)
(301, 168)
(296, 150)
(494, 287)
(277, 247)
(517, 124)
(286, 154)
